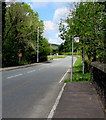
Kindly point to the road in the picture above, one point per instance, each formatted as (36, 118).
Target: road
(31, 92)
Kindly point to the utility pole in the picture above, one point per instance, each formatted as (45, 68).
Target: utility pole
(83, 59)
(38, 44)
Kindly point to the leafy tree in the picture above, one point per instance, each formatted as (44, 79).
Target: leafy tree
(22, 29)
(88, 24)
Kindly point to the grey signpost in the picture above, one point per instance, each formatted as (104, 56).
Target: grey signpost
(38, 45)
(76, 39)
(72, 58)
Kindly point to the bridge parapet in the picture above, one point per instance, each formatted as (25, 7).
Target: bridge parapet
(99, 80)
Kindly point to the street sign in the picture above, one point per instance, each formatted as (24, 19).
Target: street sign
(19, 54)
(76, 39)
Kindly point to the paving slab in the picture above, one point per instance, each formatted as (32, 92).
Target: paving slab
(79, 100)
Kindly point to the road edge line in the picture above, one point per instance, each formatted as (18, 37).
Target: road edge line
(64, 76)
(56, 103)
(50, 116)
(66, 73)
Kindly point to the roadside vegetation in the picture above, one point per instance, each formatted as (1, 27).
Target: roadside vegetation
(77, 72)
(22, 35)
(87, 21)
(78, 76)
(51, 57)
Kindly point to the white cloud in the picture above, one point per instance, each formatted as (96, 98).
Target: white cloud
(51, 32)
(37, 4)
(61, 13)
(52, 25)
(54, 0)
(55, 41)
(49, 27)
(48, 0)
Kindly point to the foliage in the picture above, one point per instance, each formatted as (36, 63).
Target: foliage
(22, 31)
(77, 72)
(51, 57)
(54, 48)
(78, 76)
(88, 23)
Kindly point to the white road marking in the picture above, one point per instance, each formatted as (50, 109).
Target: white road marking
(74, 61)
(52, 65)
(56, 103)
(31, 71)
(64, 76)
(45, 64)
(14, 76)
(39, 69)
(50, 116)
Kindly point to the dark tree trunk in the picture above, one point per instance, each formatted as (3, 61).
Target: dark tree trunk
(3, 17)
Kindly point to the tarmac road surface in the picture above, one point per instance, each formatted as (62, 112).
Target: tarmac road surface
(31, 92)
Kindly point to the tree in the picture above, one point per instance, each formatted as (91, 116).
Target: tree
(20, 34)
(87, 23)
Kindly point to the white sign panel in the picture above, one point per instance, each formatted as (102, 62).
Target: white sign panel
(76, 39)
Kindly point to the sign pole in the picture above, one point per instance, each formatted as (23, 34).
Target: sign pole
(76, 39)
(38, 45)
(19, 57)
(72, 58)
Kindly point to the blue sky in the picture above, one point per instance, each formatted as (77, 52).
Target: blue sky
(46, 9)
(51, 13)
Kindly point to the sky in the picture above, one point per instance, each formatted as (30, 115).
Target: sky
(51, 13)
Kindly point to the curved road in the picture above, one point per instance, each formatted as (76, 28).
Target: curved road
(31, 92)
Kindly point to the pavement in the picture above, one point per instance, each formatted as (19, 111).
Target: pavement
(79, 100)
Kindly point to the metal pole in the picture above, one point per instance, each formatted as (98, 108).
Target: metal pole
(19, 57)
(83, 60)
(72, 58)
(38, 45)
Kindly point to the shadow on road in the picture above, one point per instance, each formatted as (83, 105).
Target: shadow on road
(48, 62)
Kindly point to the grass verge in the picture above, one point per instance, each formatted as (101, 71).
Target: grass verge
(51, 57)
(78, 76)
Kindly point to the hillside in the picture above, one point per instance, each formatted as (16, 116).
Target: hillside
(54, 46)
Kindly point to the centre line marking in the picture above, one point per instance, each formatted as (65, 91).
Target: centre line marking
(31, 71)
(14, 76)
(41, 68)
